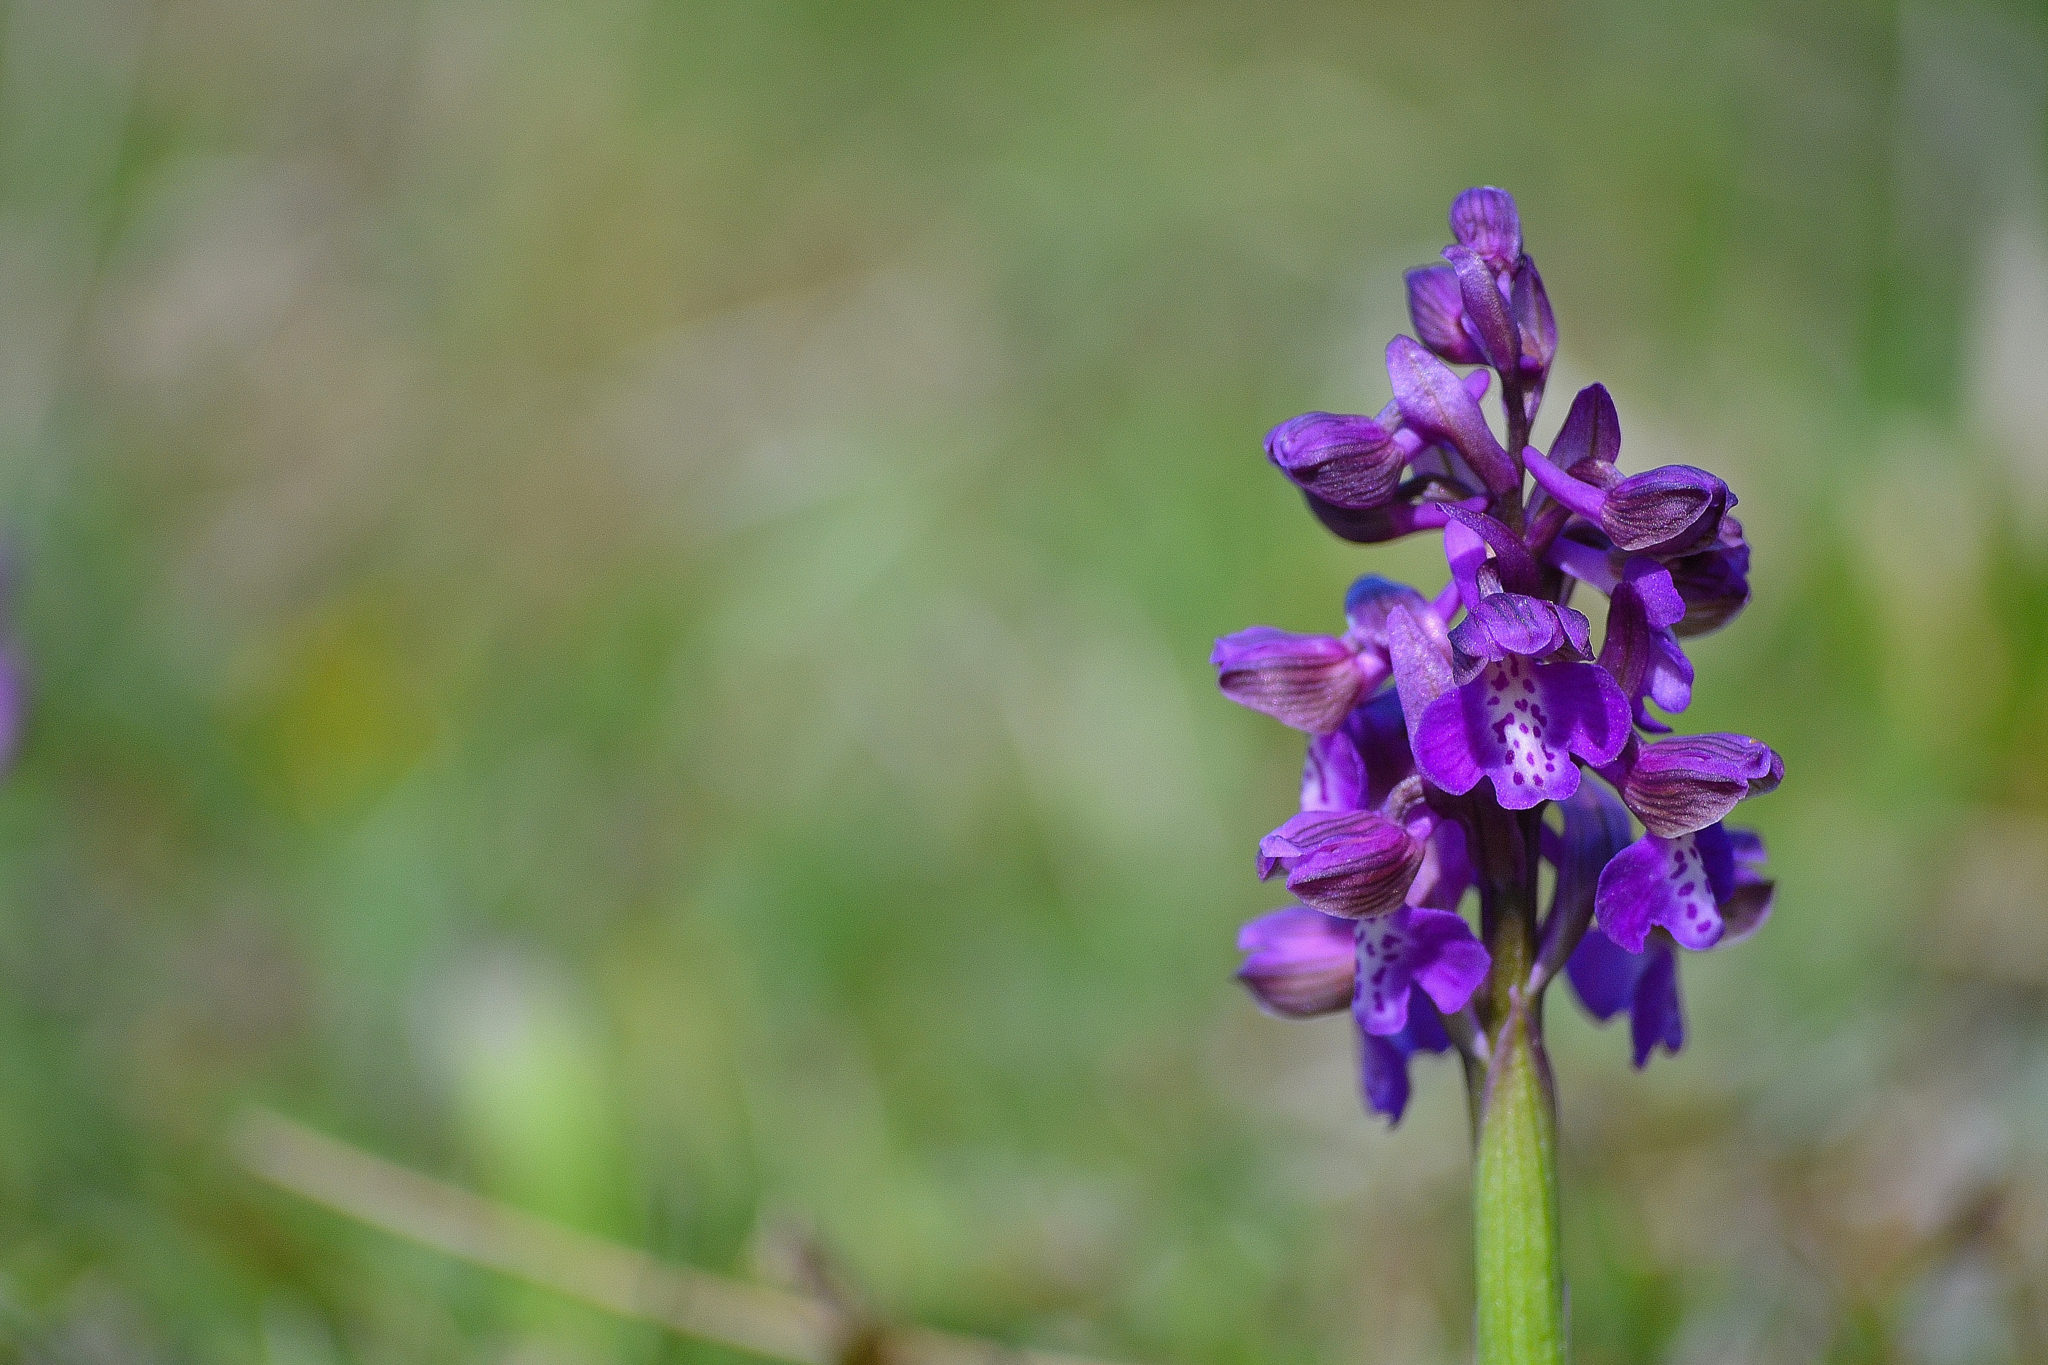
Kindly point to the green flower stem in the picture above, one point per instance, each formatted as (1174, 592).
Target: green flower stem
(1514, 1192)
(1521, 1318)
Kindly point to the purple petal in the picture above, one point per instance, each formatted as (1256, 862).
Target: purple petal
(1511, 558)
(1485, 220)
(1714, 582)
(1655, 1016)
(1591, 431)
(1445, 958)
(1596, 827)
(1438, 312)
(1609, 979)
(1644, 657)
(1350, 462)
(1301, 833)
(1375, 525)
(1676, 786)
(1519, 723)
(1568, 489)
(1744, 910)
(1446, 872)
(1422, 666)
(1298, 962)
(1383, 1059)
(1363, 871)
(1434, 401)
(1603, 975)
(1533, 319)
(1673, 510)
(1381, 734)
(1486, 311)
(1310, 682)
(1367, 604)
(1510, 623)
(1677, 883)
(1333, 774)
(1430, 949)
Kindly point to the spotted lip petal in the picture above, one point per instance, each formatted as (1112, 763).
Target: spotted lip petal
(1383, 1058)
(1431, 949)
(1678, 883)
(1520, 723)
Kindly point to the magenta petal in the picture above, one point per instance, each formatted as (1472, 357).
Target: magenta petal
(1333, 774)
(1445, 958)
(1677, 883)
(1298, 962)
(1486, 311)
(1310, 682)
(1441, 407)
(1432, 949)
(1364, 870)
(1438, 312)
(1484, 219)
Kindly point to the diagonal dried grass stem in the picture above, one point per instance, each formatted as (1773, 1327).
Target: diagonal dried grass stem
(776, 1323)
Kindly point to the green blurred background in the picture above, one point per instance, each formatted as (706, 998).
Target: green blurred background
(617, 597)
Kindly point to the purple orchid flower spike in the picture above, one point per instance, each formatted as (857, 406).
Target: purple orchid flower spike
(1443, 726)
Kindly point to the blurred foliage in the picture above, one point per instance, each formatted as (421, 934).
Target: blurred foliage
(617, 595)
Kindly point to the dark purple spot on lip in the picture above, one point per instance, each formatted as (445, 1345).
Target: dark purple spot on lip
(1518, 779)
